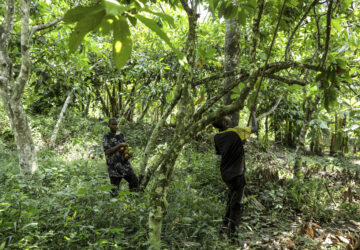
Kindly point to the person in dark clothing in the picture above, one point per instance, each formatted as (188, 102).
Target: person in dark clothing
(229, 145)
(118, 166)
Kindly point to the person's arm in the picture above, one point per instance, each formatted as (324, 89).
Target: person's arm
(254, 125)
(115, 148)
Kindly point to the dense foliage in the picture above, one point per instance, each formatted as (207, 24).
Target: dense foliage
(67, 203)
(166, 70)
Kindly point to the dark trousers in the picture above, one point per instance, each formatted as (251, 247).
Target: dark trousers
(130, 177)
(234, 203)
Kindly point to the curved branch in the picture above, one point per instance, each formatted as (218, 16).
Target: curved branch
(45, 25)
(312, 5)
(272, 109)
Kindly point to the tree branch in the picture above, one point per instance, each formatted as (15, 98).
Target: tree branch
(285, 80)
(270, 69)
(272, 109)
(219, 95)
(257, 18)
(45, 25)
(312, 5)
(5, 35)
(328, 32)
(25, 51)
(8, 25)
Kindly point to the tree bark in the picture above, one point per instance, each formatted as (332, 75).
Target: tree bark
(232, 59)
(12, 90)
(61, 117)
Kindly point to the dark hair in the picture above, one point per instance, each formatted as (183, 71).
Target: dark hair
(113, 119)
(219, 123)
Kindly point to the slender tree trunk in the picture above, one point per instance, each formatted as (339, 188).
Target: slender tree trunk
(300, 147)
(333, 136)
(232, 57)
(61, 117)
(120, 97)
(105, 108)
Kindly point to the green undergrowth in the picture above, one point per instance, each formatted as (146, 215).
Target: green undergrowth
(67, 203)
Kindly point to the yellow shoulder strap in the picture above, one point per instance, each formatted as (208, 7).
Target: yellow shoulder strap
(242, 132)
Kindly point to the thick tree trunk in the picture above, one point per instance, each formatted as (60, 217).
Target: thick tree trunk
(232, 57)
(11, 90)
(158, 202)
(61, 117)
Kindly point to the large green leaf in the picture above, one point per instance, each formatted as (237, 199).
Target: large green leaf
(106, 24)
(114, 8)
(151, 24)
(84, 26)
(165, 17)
(78, 13)
(122, 44)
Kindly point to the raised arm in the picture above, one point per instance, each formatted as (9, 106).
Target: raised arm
(254, 125)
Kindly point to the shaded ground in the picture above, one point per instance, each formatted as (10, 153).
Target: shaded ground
(325, 223)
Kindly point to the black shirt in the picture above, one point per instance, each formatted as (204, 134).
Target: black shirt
(230, 147)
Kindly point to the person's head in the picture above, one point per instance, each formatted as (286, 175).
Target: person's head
(113, 125)
(222, 123)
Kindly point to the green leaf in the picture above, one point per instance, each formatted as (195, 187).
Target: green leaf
(106, 188)
(122, 44)
(116, 230)
(336, 25)
(82, 191)
(106, 25)
(242, 16)
(114, 8)
(78, 13)
(330, 98)
(252, 3)
(322, 124)
(132, 20)
(187, 220)
(343, 48)
(230, 11)
(84, 26)
(151, 24)
(165, 17)
(211, 4)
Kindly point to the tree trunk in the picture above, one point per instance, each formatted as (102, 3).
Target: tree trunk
(300, 147)
(158, 202)
(232, 57)
(105, 108)
(23, 139)
(11, 90)
(61, 117)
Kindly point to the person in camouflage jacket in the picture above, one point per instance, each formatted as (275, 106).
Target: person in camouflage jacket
(118, 166)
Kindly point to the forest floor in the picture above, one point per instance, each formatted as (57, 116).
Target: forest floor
(314, 225)
(68, 205)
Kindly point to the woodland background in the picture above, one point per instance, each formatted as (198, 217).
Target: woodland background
(167, 70)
